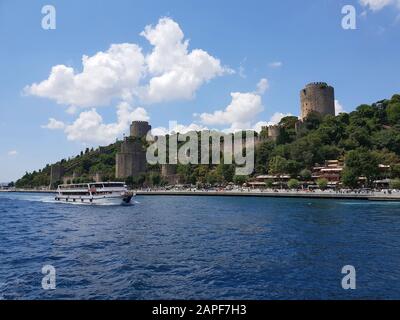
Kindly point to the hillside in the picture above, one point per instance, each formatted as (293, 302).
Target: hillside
(364, 138)
(88, 162)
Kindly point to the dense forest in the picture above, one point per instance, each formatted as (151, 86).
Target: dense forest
(364, 138)
(84, 165)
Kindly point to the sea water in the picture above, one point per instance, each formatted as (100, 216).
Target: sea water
(166, 247)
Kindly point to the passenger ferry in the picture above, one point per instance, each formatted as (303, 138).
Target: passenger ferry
(95, 193)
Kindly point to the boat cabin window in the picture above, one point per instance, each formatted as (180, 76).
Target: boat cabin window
(96, 185)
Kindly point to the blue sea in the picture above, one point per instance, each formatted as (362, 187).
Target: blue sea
(199, 248)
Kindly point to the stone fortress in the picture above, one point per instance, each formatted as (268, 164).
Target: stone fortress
(131, 159)
(316, 97)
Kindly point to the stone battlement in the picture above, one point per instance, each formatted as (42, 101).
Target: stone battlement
(139, 129)
(317, 84)
(317, 97)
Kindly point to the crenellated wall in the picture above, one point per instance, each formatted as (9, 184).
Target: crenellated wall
(274, 132)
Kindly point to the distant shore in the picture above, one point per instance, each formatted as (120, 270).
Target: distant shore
(369, 196)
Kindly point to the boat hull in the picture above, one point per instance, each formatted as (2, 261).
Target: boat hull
(103, 200)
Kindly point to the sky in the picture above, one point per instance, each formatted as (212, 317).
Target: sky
(223, 65)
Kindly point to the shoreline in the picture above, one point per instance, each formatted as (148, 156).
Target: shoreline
(372, 196)
(376, 196)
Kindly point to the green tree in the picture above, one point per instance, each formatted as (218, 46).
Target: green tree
(349, 178)
(201, 173)
(363, 162)
(277, 166)
(305, 174)
(269, 183)
(185, 171)
(293, 184)
(212, 177)
(129, 181)
(226, 171)
(322, 183)
(239, 180)
(395, 170)
(395, 184)
(262, 156)
(393, 112)
(155, 179)
(312, 121)
(387, 139)
(293, 168)
(287, 130)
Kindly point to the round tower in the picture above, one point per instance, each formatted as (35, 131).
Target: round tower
(317, 97)
(139, 129)
(274, 132)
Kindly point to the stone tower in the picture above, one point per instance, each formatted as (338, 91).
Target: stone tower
(56, 173)
(131, 160)
(274, 132)
(317, 97)
(139, 129)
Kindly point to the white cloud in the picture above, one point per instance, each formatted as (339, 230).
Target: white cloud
(90, 127)
(123, 73)
(262, 86)
(275, 64)
(177, 73)
(12, 153)
(105, 76)
(54, 124)
(174, 127)
(338, 107)
(169, 72)
(275, 119)
(242, 110)
(376, 5)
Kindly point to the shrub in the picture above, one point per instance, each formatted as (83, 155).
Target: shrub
(293, 184)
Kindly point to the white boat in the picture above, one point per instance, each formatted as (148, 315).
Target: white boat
(95, 193)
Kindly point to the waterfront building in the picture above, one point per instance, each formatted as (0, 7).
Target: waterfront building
(331, 171)
(262, 181)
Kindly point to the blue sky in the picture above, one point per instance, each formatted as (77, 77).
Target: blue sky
(285, 43)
